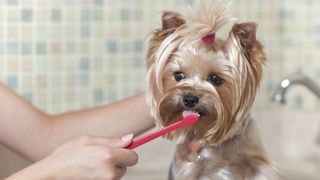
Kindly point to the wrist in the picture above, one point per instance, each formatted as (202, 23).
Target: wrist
(37, 170)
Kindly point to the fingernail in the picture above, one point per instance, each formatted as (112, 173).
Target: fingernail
(127, 137)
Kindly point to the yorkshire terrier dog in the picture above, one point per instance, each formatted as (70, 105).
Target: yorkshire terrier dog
(189, 69)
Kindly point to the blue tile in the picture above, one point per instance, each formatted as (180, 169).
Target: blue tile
(12, 81)
(138, 61)
(26, 15)
(112, 46)
(56, 15)
(12, 2)
(189, 1)
(84, 79)
(284, 14)
(41, 48)
(12, 48)
(138, 46)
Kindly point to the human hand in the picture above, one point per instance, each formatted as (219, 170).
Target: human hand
(86, 157)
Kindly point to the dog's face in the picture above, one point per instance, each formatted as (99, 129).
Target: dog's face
(217, 80)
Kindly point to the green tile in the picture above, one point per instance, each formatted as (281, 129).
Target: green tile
(56, 15)
(41, 48)
(26, 48)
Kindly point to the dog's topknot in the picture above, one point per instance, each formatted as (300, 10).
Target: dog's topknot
(210, 19)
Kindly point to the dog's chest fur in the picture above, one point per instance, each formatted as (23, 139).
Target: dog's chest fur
(242, 157)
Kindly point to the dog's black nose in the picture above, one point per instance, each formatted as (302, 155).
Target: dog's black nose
(190, 101)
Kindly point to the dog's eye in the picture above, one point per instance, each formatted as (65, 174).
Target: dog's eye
(215, 80)
(178, 76)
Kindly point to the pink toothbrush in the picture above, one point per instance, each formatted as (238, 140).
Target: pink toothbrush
(189, 120)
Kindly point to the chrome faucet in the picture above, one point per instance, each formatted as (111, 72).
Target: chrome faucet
(286, 83)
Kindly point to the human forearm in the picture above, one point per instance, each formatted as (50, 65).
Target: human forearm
(35, 134)
(23, 128)
(116, 119)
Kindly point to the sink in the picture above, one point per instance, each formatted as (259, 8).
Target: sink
(289, 136)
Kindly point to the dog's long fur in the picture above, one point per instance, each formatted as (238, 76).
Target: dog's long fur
(229, 145)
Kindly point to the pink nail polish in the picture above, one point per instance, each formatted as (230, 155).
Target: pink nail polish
(127, 137)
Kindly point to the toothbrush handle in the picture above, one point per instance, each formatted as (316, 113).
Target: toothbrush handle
(152, 136)
(161, 132)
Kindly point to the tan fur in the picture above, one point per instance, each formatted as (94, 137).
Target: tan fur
(230, 145)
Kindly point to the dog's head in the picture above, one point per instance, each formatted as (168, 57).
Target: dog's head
(189, 69)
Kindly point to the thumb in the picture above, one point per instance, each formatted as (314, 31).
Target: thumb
(120, 142)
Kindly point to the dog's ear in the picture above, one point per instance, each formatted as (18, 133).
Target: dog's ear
(246, 32)
(171, 20)
(244, 35)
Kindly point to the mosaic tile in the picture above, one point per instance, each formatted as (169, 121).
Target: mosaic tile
(56, 15)
(97, 15)
(12, 15)
(85, 15)
(56, 48)
(52, 36)
(26, 31)
(98, 2)
(112, 46)
(84, 47)
(12, 81)
(70, 47)
(85, 31)
(125, 15)
(12, 2)
(41, 16)
(41, 48)
(26, 15)
(26, 48)
(138, 46)
(12, 64)
(98, 95)
(84, 79)
(12, 48)
(84, 64)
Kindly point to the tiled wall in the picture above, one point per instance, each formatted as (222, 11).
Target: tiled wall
(69, 54)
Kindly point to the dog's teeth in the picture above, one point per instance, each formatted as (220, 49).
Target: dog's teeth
(186, 113)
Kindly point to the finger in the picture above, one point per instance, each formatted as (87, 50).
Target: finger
(123, 157)
(120, 142)
(112, 141)
(121, 171)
